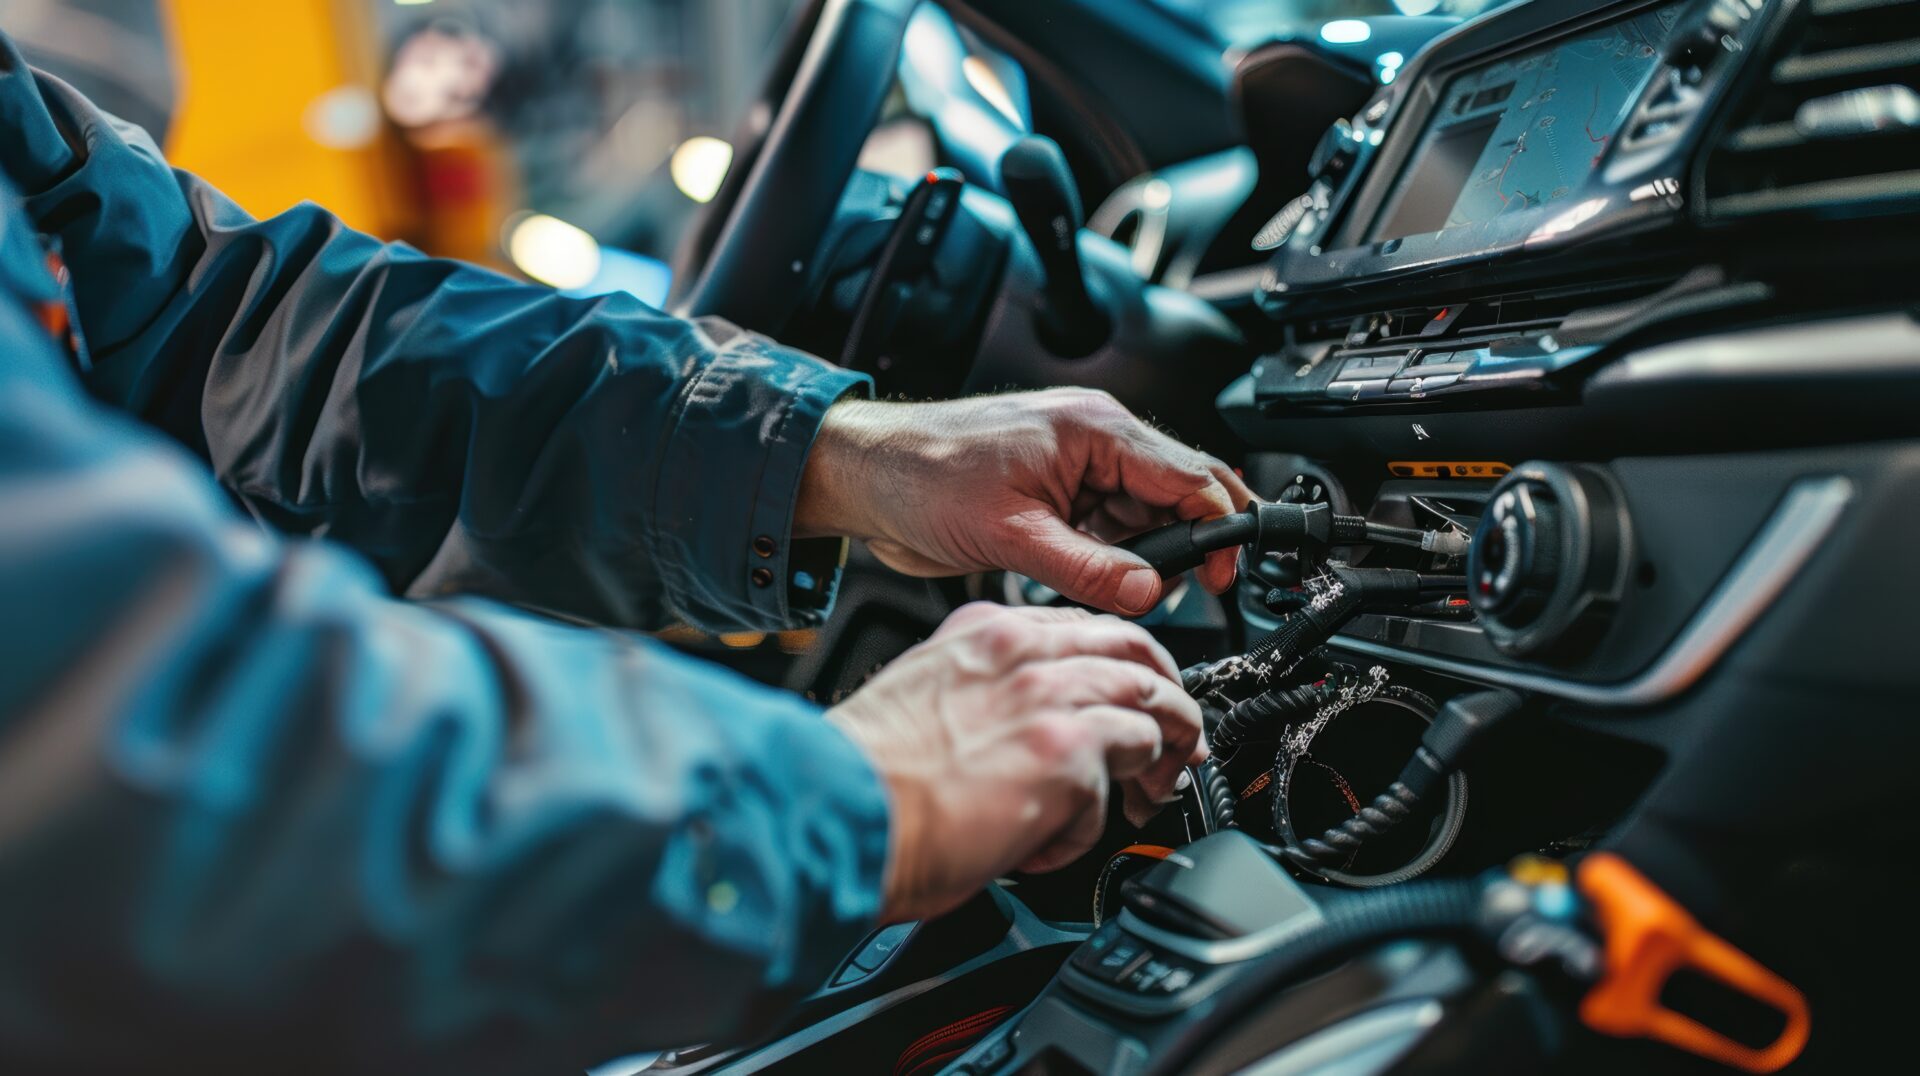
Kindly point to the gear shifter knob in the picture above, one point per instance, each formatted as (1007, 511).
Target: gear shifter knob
(1034, 174)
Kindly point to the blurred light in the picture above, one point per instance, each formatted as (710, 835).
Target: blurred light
(439, 73)
(988, 85)
(699, 166)
(412, 3)
(1158, 194)
(345, 117)
(552, 251)
(1389, 65)
(1568, 221)
(1345, 32)
(646, 279)
(1376, 136)
(1417, 7)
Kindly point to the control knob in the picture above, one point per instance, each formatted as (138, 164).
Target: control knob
(1549, 558)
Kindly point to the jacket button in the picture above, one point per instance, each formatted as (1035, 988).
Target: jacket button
(764, 546)
(762, 577)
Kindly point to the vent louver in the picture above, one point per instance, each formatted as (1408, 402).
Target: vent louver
(1833, 126)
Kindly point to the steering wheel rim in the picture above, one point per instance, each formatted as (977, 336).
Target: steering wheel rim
(772, 222)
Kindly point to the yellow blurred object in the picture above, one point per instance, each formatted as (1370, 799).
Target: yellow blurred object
(1538, 870)
(278, 105)
(798, 641)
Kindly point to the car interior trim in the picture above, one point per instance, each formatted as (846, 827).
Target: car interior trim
(1806, 516)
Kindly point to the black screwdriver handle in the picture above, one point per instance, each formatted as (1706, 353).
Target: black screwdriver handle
(1180, 547)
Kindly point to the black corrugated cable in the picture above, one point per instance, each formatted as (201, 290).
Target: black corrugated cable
(1460, 725)
(1266, 711)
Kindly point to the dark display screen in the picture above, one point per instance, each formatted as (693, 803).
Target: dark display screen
(1526, 130)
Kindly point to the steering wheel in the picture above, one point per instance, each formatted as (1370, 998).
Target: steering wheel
(746, 259)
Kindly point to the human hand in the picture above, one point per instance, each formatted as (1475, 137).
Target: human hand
(1036, 482)
(997, 736)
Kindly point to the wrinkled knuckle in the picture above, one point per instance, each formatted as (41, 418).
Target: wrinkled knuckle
(1000, 637)
(1102, 404)
(1033, 683)
(1086, 405)
(970, 613)
(1135, 641)
(1057, 741)
(1085, 574)
(1144, 688)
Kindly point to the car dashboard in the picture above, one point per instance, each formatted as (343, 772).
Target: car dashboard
(1616, 306)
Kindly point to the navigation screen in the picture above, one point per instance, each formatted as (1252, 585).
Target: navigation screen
(1526, 130)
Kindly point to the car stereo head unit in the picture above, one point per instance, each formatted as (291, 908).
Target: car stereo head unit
(1540, 126)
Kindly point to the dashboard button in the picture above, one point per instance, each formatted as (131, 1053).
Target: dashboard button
(1369, 366)
(882, 945)
(1350, 391)
(852, 973)
(1146, 976)
(1420, 386)
(1175, 981)
(1114, 962)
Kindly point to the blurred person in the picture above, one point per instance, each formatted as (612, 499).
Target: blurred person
(287, 782)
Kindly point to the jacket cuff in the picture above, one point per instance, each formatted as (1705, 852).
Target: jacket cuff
(728, 484)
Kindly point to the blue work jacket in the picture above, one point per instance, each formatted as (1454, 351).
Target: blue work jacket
(289, 781)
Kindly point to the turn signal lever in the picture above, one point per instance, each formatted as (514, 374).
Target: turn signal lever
(1035, 177)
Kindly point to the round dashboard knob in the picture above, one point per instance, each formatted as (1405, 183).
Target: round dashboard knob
(1518, 553)
(1549, 558)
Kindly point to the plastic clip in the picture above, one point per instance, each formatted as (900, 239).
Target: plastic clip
(1648, 938)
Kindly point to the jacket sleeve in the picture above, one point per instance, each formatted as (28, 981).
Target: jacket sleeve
(466, 433)
(258, 816)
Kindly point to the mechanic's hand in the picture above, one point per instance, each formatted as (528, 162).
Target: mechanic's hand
(1037, 483)
(996, 738)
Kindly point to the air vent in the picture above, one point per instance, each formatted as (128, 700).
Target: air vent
(1833, 127)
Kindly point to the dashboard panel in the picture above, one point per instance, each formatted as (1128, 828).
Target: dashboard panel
(1617, 304)
(1573, 286)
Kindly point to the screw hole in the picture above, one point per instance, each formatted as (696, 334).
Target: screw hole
(1647, 575)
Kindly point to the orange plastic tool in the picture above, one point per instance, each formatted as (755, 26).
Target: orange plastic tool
(1648, 938)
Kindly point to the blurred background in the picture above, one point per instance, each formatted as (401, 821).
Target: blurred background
(569, 141)
(470, 128)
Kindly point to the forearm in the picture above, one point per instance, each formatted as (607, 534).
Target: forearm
(467, 433)
(282, 814)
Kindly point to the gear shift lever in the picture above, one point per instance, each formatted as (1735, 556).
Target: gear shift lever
(1035, 176)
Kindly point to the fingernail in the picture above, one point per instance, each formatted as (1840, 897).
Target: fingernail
(1136, 590)
(1181, 783)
